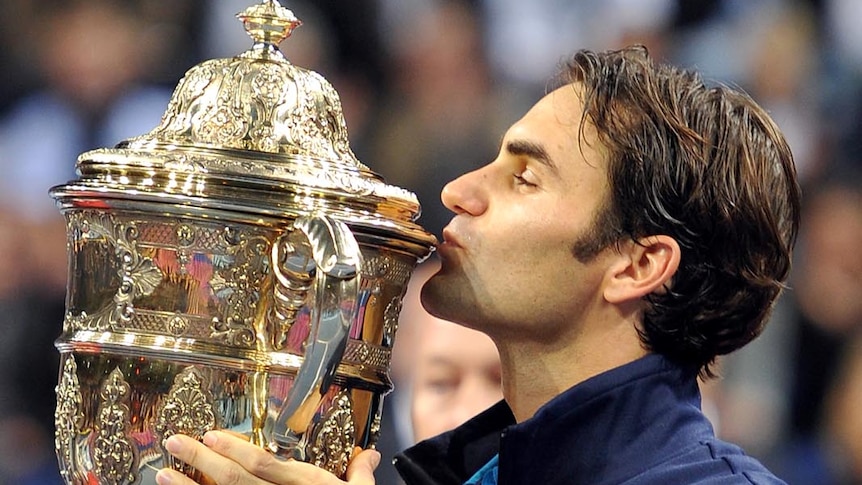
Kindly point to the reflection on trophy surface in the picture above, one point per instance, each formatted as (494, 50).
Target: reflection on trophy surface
(235, 268)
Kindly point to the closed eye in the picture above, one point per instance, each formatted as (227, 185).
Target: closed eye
(520, 180)
(525, 178)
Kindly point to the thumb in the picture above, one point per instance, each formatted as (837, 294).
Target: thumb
(362, 466)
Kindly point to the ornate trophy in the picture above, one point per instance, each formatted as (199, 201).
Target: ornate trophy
(235, 268)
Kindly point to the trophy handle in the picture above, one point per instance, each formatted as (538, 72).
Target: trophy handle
(325, 248)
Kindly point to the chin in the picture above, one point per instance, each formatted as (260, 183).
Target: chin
(430, 296)
(445, 299)
(439, 295)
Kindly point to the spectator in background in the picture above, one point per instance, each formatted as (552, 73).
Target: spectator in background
(783, 75)
(833, 454)
(842, 448)
(828, 289)
(92, 66)
(842, 21)
(19, 71)
(774, 398)
(94, 58)
(526, 40)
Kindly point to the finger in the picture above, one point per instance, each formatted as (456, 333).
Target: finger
(219, 468)
(264, 464)
(361, 468)
(237, 434)
(167, 476)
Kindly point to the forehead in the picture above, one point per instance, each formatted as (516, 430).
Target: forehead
(563, 104)
(556, 123)
(444, 340)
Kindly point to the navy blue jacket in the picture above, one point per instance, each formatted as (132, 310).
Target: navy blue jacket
(637, 424)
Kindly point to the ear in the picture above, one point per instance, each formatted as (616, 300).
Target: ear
(643, 267)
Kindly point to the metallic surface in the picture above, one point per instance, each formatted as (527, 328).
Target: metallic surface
(235, 268)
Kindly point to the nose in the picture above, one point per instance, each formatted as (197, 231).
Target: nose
(467, 193)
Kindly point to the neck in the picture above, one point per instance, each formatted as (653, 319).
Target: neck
(536, 372)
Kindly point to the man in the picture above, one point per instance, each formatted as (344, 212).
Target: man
(635, 225)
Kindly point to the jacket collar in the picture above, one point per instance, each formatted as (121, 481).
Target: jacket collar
(599, 427)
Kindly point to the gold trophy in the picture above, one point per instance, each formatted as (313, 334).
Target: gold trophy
(235, 268)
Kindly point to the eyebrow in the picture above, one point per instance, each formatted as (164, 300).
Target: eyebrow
(531, 149)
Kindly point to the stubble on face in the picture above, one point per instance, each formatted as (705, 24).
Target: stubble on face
(443, 294)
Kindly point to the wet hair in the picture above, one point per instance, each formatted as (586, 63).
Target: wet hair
(707, 166)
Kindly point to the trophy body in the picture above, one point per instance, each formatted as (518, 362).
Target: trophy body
(236, 268)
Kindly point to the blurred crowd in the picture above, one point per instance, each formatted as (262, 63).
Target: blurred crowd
(428, 87)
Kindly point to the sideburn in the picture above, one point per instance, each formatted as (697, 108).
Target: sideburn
(603, 232)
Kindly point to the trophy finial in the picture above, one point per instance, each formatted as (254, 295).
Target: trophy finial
(268, 22)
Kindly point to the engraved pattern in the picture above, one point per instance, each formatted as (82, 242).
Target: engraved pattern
(209, 238)
(185, 235)
(334, 437)
(317, 122)
(390, 320)
(169, 323)
(182, 162)
(268, 105)
(157, 234)
(386, 267)
(187, 409)
(177, 325)
(237, 279)
(358, 352)
(195, 237)
(383, 270)
(139, 275)
(377, 268)
(114, 457)
(374, 431)
(238, 268)
(67, 417)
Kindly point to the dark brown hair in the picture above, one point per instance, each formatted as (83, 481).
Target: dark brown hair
(708, 167)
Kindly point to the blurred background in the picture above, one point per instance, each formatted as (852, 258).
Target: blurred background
(428, 88)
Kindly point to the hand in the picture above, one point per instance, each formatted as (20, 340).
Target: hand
(229, 460)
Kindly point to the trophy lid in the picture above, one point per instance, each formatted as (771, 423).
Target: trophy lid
(253, 134)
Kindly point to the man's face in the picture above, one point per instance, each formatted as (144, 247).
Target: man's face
(455, 376)
(507, 262)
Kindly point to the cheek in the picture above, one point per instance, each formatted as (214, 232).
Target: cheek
(429, 416)
(487, 391)
(539, 227)
(433, 390)
(537, 250)
(547, 284)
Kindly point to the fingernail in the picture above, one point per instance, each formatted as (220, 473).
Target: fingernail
(173, 445)
(163, 477)
(375, 458)
(210, 438)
